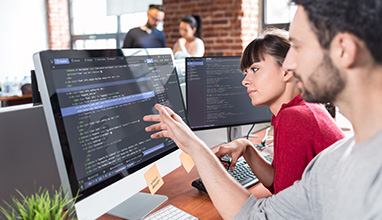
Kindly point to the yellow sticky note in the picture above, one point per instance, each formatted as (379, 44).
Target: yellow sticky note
(153, 179)
(187, 161)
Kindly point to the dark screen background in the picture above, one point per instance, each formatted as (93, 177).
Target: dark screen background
(216, 96)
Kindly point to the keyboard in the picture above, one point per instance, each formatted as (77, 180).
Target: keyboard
(242, 173)
(170, 212)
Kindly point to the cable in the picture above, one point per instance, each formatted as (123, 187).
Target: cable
(262, 145)
(229, 134)
(249, 132)
(265, 136)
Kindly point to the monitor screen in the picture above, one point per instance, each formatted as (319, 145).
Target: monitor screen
(216, 96)
(94, 101)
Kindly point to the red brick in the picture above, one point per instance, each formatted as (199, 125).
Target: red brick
(227, 24)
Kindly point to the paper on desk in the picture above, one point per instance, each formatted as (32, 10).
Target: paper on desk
(153, 179)
(187, 161)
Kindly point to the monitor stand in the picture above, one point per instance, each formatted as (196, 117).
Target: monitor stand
(233, 133)
(138, 206)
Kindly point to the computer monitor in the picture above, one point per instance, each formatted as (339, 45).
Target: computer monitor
(26, 159)
(216, 97)
(36, 98)
(94, 102)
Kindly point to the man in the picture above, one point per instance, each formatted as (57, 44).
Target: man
(147, 36)
(336, 55)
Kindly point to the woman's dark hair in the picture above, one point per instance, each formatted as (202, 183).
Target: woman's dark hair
(274, 43)
(195, 21)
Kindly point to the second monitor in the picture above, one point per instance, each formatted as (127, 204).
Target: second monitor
(216, 97)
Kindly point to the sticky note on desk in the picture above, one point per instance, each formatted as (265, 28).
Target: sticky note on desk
(153, 179)
(187, 161)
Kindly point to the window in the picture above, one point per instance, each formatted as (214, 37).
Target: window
(277, 13)
(92, 28)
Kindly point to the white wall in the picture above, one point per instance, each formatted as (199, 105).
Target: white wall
(24, 31)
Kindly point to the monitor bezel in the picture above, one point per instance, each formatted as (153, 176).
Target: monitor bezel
(50, 108)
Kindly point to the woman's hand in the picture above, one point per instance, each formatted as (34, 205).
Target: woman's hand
(235, 149)
(172, 126)
(182, 42)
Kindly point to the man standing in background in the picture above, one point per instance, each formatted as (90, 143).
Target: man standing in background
(147, 36)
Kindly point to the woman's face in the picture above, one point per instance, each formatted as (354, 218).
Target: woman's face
(186, 31)
(264, 81)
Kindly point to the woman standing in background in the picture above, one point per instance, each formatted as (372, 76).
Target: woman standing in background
(190, 43)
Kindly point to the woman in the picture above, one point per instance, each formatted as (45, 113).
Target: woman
(301, 129)
(190, 43)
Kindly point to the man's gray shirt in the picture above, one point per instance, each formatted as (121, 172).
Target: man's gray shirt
(342, 182)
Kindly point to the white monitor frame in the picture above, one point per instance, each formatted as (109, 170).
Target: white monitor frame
(111, 196)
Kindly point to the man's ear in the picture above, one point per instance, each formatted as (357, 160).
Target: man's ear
(344, 47)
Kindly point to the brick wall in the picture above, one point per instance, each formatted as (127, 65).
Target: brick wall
(250, 21)
(228, 25)
(58, 24)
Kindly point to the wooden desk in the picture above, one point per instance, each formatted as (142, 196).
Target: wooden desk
(177, 187)
(15, 100)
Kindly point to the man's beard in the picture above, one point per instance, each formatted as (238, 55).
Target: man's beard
(149, 26)
(332, 83)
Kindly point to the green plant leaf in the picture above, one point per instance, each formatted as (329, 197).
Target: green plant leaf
(41, 205)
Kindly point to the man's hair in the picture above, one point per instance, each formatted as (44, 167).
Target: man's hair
(362, 18)
(157, 7)
(273, 42)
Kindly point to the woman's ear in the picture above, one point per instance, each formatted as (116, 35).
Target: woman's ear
(288, 75)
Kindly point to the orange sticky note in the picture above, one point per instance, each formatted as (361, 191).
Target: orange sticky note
(187, 161)
(153, 179)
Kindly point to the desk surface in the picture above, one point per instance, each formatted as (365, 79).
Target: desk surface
(177, 187)
(11, 98)
(15, 100)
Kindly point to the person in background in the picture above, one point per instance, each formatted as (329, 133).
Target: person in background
(301, 129)
(148, 36)
(190, 43)
(336, 57)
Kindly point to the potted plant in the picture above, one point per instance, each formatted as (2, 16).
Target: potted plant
(42, 205)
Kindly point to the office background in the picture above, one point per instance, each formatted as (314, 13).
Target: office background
(31, 26)
(24, 31)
